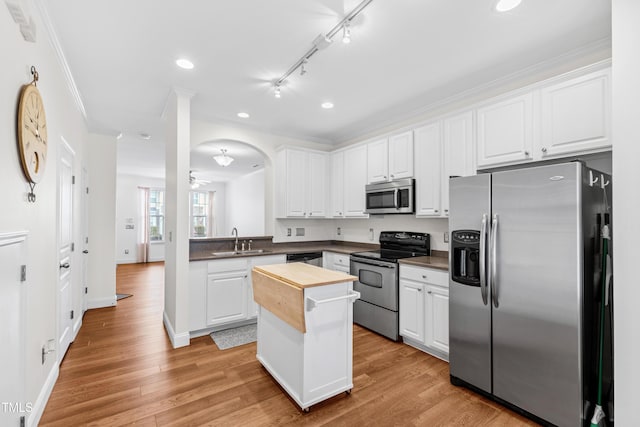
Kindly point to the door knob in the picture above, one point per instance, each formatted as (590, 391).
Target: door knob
(65, 265)
(85, 251)
(544, 149)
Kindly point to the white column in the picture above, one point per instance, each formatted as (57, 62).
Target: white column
(177, 116)
(626, 207)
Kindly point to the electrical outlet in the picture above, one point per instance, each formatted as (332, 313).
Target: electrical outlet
(446, 237)
(371, 234)
(288, 232)
(339, 232)
(126, 251)
(299, 231)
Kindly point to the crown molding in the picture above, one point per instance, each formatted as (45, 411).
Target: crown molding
(62, 60)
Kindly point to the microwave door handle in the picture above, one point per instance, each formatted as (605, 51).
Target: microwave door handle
(483, 259)
(395, 198)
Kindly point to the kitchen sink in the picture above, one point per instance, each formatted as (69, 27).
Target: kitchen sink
(231, 253)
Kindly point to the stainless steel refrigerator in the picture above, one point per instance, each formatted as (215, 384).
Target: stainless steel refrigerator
(523, 274)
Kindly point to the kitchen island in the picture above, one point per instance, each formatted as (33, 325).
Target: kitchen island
(305, 329)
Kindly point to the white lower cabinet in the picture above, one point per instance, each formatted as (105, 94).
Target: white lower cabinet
(336, 261)
(424, 309)
(220, 291)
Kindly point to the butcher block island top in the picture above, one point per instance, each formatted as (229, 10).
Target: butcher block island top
(303, 275)
(305, 329)
(280, 288)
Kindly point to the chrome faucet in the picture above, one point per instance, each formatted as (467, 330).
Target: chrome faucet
(234, 232)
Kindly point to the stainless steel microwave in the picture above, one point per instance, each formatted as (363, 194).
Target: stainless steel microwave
(394, 197)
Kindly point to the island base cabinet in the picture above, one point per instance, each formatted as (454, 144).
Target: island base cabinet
(317, 364)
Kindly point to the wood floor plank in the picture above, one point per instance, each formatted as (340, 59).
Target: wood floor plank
(122, 370)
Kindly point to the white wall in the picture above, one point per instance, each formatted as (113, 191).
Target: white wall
(39, 218)
(244, 205)
(102, 219)
(127, 210)
(626, 205)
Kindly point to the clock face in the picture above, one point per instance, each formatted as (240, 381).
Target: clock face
(32, 133)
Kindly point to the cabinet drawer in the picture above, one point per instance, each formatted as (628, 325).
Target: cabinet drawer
(425, 275)
(341, 260)
(226, 265)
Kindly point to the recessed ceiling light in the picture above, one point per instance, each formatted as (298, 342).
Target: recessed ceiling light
(184, 63)
(507, 5)
(144, 136)
(243, 115)
(327, 105)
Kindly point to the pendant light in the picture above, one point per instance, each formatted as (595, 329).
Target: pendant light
(222, 159)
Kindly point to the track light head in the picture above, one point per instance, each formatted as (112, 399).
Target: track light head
(346, 33)
(276, 91)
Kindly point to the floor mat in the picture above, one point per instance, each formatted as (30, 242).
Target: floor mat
(123, 296)
(230, 338)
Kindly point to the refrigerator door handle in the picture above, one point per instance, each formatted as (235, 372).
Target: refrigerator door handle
(483, 259)
(494, 256)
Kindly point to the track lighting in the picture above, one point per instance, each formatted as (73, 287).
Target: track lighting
(321, 42)
(346, 33)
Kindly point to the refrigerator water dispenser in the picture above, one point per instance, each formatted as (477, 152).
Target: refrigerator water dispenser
(465, 245)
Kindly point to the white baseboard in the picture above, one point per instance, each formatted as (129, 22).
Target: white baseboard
(177, 340)
(43, 397)
(101, 302)
(126, 261)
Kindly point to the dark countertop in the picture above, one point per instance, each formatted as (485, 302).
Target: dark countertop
(436, 261)
(289, 248)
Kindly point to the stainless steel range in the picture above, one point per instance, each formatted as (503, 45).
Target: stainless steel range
(377, 273)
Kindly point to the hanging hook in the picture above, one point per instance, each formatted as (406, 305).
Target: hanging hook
(603, 184)
(592, 180)
(31, 196)
(35, 75)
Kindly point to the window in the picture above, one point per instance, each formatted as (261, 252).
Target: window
(200, 213)
(156, 215)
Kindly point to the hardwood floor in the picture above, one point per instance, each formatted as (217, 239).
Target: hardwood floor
(121, 370)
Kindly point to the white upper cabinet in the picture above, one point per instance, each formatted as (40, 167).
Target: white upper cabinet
(337, 184)
(401, 156)
(316, 185)
(569, 117)
(355, 179)
(390, 158)
(576, 115)
(428, 154)
(378, 161)
(458, 148)
(301, 177)
(505, 131)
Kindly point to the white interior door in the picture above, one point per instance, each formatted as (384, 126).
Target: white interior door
(12, 309)
(65, 249)
(85, 237)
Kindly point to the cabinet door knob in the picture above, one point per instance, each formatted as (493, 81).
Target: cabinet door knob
(419, 289)
(446, 211)
(310, 213)
(385, 177)
(544, 149)
(391, 176)
(526, 153)
(428, 292)
(436, 210)
(424, 276)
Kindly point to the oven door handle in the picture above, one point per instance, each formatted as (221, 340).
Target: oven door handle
(377, 264)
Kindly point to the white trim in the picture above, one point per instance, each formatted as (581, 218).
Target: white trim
(55, 43)
(13, 237)
(177, 340)
(33, 419)
(101, 302)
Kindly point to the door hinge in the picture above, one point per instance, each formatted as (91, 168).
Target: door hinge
(71, 314)
(87, 190)
(22, 421)
(86, 240)
(73, 179)
(86, 290)
(73, 247)
(23, 273)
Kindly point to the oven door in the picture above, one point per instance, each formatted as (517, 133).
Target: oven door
(377, 282)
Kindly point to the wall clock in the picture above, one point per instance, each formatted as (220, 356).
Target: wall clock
(32, 133)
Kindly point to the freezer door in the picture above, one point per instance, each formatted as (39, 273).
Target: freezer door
(469, 317)
(537, 291)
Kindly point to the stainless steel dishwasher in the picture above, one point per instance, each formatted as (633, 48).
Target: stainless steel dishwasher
(313, 258)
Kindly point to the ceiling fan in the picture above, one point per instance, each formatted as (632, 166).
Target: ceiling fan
(195, 182)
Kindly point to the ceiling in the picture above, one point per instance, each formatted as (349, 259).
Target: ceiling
(404, 55)
(246, 160)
